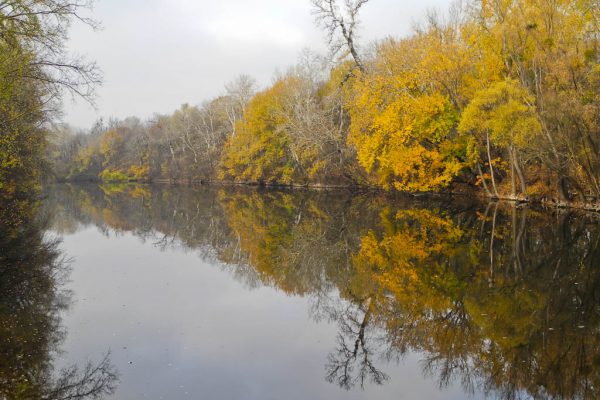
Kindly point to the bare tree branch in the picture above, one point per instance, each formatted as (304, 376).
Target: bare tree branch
(340, 23)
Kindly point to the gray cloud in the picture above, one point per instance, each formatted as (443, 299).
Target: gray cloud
(157, 54)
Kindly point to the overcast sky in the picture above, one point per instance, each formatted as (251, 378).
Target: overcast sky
(158, 54)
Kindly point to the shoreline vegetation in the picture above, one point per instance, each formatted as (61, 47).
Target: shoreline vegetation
(499, 99)
(595, 208)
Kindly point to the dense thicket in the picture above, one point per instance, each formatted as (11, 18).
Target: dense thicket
(502, 96)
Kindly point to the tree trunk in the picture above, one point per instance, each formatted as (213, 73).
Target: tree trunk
(483, 182)
(513, 184)
(489, 154)
(563, 190)
(172, 151)
(520, 174)
(350, 42)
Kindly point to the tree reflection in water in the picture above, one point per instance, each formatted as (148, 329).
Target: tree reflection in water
(352, 361)
(32, 271)
(502, 298)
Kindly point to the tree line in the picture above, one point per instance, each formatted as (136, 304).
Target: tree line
(500, 97)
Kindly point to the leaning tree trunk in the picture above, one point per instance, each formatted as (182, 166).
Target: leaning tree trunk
(513, 184)
(489, 154)
(483, 182)
(520, 174)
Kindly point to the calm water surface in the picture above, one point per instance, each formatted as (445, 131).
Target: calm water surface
(140, 292)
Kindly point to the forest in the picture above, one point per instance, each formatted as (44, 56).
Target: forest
(495, 97)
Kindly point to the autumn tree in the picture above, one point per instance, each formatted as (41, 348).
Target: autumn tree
(503, 115)
(550, 48)
(316, 122)
(403, 127)
(259, 150)
(35, 70)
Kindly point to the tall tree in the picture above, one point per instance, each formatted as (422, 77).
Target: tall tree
(340, 23)
(35, 71)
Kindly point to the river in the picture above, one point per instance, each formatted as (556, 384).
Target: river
(163, 292)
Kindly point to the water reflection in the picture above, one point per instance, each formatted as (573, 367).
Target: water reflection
(501, 298)
(32, 271)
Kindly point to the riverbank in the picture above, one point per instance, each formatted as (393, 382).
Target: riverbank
(458, 190)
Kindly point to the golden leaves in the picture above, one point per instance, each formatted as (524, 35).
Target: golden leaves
(403, 135)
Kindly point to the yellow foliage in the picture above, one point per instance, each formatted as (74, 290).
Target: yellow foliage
(506, 112)
(139, 172)
(258, 151)
(407, 259)
(403, 132)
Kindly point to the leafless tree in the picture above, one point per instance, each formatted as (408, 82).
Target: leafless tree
(352, 361)
(94, 381)
(340, 23)
(41, 28)
(239, 93)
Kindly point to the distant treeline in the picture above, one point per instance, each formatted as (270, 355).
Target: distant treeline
(500, 97)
